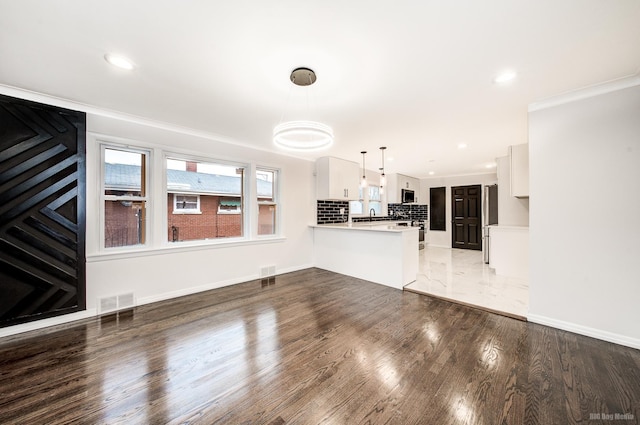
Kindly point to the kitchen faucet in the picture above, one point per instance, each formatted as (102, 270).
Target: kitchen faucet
(371, 211)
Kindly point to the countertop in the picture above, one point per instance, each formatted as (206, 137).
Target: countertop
(499, 227)
(379, 226)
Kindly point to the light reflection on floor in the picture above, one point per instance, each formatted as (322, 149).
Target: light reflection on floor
(461, 275)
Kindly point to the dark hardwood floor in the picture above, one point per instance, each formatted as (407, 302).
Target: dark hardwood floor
(314, 347)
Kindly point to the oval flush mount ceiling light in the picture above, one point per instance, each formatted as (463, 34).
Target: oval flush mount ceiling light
(303, 135)
(119, 61)
(505, 77)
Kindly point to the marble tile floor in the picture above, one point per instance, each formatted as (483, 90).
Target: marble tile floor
(460, 275)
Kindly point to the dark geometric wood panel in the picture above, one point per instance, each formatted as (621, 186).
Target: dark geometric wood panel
(42, 211)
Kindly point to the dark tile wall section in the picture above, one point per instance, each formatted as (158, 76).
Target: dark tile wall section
(328, 212)
(418, 212)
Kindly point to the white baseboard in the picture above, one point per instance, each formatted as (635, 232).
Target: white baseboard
(45, 323)
(194, 289)
(585, 330)
(213, 285)
(72, 317)
(296, 268)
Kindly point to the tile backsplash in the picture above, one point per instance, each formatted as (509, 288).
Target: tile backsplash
(328, 212)
(418, 212)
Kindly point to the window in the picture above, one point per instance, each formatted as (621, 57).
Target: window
(374, 199)
(124, 196)
(205, 198)
(202, 201)
(266, 184)
(186, 204)
(365, 204)
(357, 207)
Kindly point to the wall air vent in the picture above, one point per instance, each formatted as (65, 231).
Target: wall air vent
(267, 271)
(116, 303)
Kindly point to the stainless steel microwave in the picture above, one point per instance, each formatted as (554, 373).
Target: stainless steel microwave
(408, 196)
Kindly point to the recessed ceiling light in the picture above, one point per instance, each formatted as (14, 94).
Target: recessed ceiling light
(390, 158)
(462, 146)
(490, 165)
(119, 61)
(505, 77)
(431, 173)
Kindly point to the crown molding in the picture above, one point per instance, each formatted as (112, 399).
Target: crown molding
(586, 92)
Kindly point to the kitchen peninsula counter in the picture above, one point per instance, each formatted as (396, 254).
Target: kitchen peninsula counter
(380, 252)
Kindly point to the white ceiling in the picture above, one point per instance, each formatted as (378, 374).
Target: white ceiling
(415, 76)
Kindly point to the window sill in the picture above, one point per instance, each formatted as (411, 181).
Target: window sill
(177, 247)
(186, 212)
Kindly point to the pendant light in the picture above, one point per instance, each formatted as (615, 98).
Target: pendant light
(383, 178)
(302, 135)
(363, 182)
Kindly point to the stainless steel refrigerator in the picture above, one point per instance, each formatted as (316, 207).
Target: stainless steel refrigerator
(489, 217)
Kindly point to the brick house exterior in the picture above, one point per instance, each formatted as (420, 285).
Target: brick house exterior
(209, 224)
(122, 224)
(124, 220)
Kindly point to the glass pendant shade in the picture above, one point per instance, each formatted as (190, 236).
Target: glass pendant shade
(383, 178)
(363, 182)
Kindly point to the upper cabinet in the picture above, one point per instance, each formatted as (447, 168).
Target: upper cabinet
(519, 162)
(397, 182)
(337, 179)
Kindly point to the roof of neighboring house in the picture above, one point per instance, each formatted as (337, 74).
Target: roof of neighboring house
(127, 177)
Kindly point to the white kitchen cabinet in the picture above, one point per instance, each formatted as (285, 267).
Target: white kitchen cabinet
(519, 163)
(396, 182)
(509, 251)
(337, 179)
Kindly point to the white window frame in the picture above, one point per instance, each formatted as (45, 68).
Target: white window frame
(377, 200)
(157, 213)
(363, 195)
(177, 210)
(365, 202)
(275, 199)
(126, 198)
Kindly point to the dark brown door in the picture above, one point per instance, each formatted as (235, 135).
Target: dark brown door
(42, 211)
(466, 210)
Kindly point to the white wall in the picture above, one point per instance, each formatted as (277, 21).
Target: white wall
(585, 227)
(164, 273)
(512, 211)
(443, 238)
